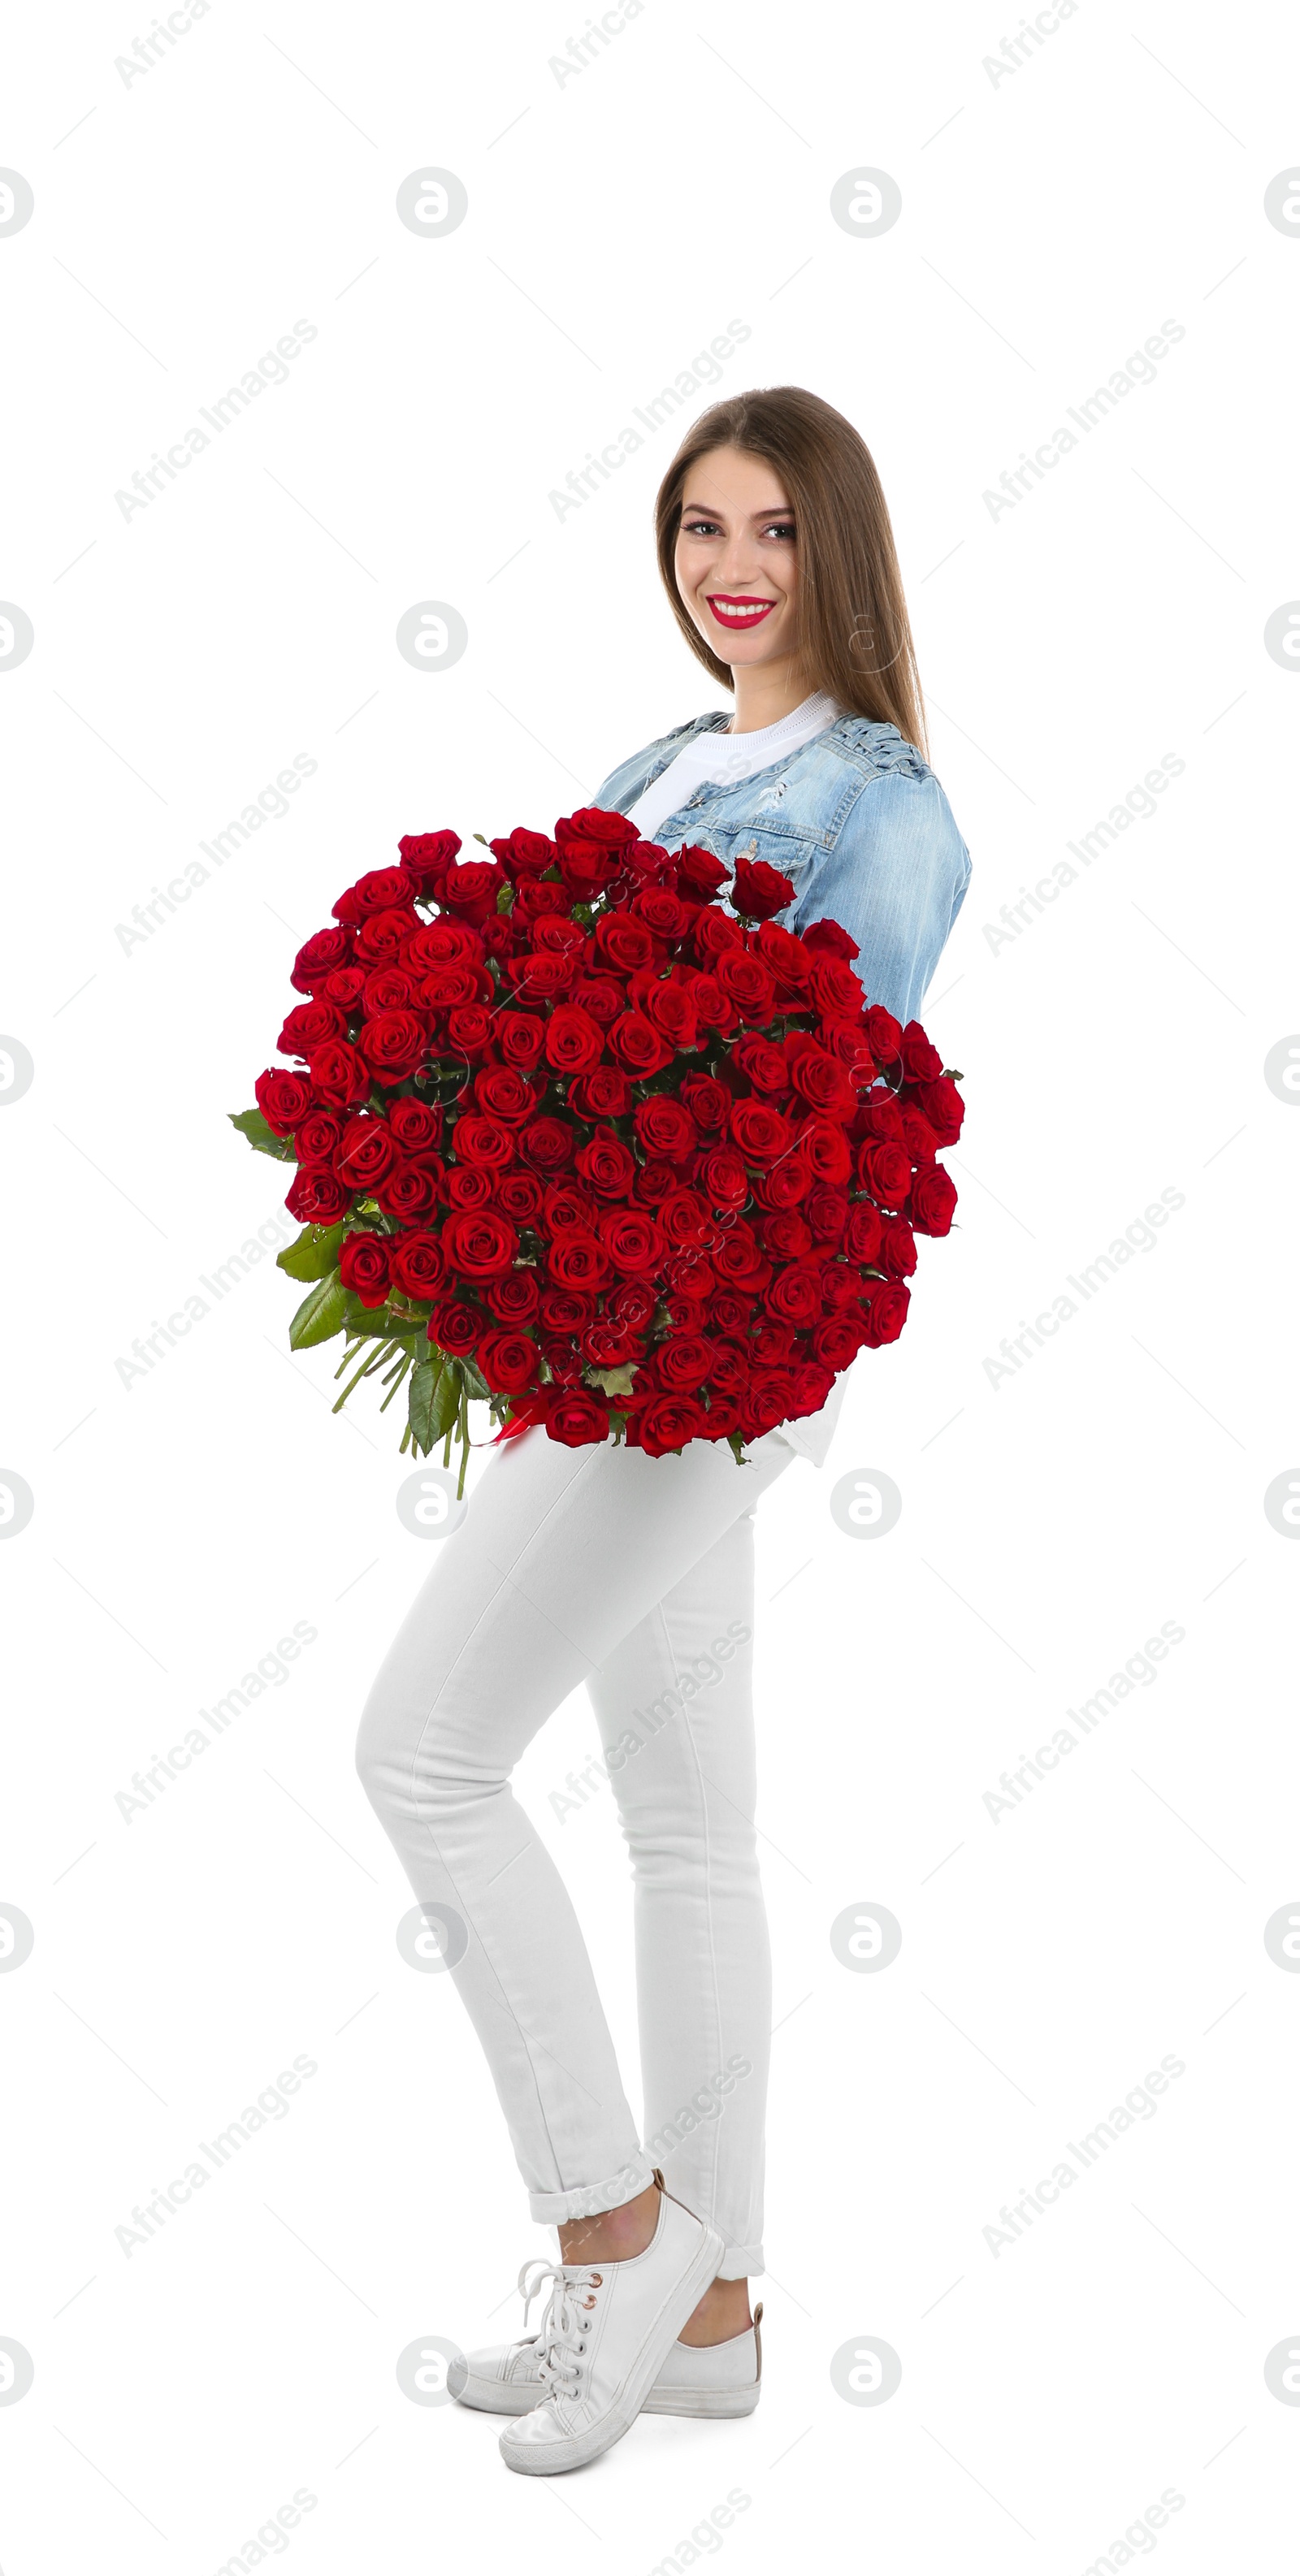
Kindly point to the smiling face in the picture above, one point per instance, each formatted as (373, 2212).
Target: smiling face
(737, 562)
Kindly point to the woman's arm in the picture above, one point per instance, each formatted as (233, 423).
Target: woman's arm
(895, 881)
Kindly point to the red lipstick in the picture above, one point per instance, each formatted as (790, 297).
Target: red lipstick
(738, 612)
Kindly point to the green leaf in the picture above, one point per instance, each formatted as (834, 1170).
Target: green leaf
(262, 1138)
(433, 1402)
(314, 1255)
(320, 1315)
(474, 1385)
(613, 1381)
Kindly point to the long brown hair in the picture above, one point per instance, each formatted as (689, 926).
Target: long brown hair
(855, 638)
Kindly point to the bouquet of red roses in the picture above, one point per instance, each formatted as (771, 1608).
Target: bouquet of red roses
(574, 1139)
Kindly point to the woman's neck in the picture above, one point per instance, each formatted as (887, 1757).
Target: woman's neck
(765, 692)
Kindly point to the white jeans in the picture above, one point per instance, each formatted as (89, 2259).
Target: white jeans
(635, 1575)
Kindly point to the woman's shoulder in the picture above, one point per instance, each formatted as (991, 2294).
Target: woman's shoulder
(872, 748)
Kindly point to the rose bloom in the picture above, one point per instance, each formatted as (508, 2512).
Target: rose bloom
(483, 1141)
(605, 1092)
(508, 1361)
(469, 1030)
(880, 1116)
(608, 1344)
(918, 1135)
(783, 952)
(319, 956)
(746, 982)
(655, 1181)
(443, 943)
(932, 1200)
(827, 1212)
(547, 1144)
(890, 1299)
(317, 1197)
(393, 1044)
(838, 1340)
(921, 1061)
(337, 1075)
(307, 1027)
(664, 915)
(897, 1247)
(416, 1125)
(576, 1418)
(378, 891)
(862, 1234)
(632, 1303)
(540, 975)
(637, 1046)
(885, 1171)
(786, 1235)
(667, 1422)
(363, 1267)
(345, 985)
(835, 988)
(426, 855)
(471, 889)
(366, 1153)
(716, 932)
(411, 1190)
(707, 1099)
(686, 1219)
(723, 1179)
(567, 1310)
(884, 1036)
(381, 939)
(521, 1037)
(825, 1149)
(732, 1313)
(574, 1043)
(600, 997)
(759, 1132)
(758, 890)
(577, 1261)
(480, 1245)
(389, 988)
(514, 1299)
(566, 1209)
(942, 1104)
(524, 854)
(683, 1362)
(535, 902)
(563, 1360)
(607, 1164)
(466, 1187)
(285, 1099)
(519, 1196)
(823, 1083)
(319, 1137)
(501, 1092)
(633, 1242)
(794, 1298)
(788, 1181)
(663, 1126)
(773, 1345)
(729, 1367)
(419, 1263)
(455, 1326)
(712, 1009)
(762, 1064)
(623, 943)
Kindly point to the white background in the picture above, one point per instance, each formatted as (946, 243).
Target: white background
(1051, 221)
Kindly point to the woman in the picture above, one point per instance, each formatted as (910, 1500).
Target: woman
(635, 1574)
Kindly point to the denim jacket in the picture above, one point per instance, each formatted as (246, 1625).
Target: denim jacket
(854, 819)
(863, 830)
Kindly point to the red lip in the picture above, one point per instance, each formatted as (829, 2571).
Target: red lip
(727, 609)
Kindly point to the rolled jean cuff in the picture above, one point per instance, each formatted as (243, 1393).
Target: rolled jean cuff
(588, 2199)
(741, 2263)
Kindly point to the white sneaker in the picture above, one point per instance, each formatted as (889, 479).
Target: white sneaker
(607, 2332)
(717, 2379)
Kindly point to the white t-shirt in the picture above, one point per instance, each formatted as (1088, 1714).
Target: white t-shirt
(720, 758)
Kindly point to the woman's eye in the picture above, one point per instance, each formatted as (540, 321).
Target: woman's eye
(780, 528)
(700, 528)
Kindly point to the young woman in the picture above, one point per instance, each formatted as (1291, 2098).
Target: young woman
(635, 1574)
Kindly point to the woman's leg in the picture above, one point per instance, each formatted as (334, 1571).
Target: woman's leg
(675, 1705)
(561, 1553)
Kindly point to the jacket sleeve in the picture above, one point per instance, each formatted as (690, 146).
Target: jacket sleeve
(896, 881)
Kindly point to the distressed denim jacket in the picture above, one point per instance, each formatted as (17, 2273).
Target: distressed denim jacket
(861, 827)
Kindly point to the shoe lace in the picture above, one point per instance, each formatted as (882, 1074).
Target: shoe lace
(562, 2331)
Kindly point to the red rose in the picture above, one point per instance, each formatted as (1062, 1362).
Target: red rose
(416, 1125)
(607, 1164)
(455, 1326)
(563, 1359)
(546, 1144)
(897, 1247)
(766, 1402)
(707, 1100)
(773, 1345)
(886, 1172)
(863, 1234)
(789, 1180)
(444, 986)
(514, 1299)
(746, 982)
(568, 1210)
(383, 936)
(670, 1008)
(536, 902)
(479, 1244)
(637, 1046)
(605, 1092)
(319, 1137)
(508, 1361)
(595, 823)
(409, 1191)
(668, 1422)
(828, 1213)
(585, 870)
(316, 1197)
(762, 1064)
(785, 1235)
(880, 1115)
(308, 1025)
(795, 1297)
(724, 1179)
(380, 890)
(758, 891)
(471, 889)
(890, 1299)
(419, 1264)
(317, 957)
(933, 1198)
(567, 1310)
(784, 953)
(366, 1154)
(344, 985)
(838, 1340)
(716, 933)
(665, 917)
(426, 856)
(484, 1141)
(393, 1045)
(823, 1082)
(700, 872)
(633, 1242)
(466, 1187)
(760, 1133)
(835, 987)
(683, 1362)
(575, 1418)
(825, 1149)
(632, 1303)
(363, 1267)
(443, 943)
(338, 1074)
(918, 1135)
(731, 1314)
(921, 1061)
(577, 1261)
(285, 1099)
(623, 943)
(664, 1127)
(829, 937)
(600, 997)
(386, 988)
(469, 1031)
(574, 1043)
(520, 1037)
(541, 974)
(686, 1220)
(524, 854)
(655, 1180)
(500, 1091)
(884, 1035)
(944, 1108)
(712, 1009)
(519, 1196)
(607, 1344)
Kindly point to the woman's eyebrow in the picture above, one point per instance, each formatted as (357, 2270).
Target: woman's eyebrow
(708, 510)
